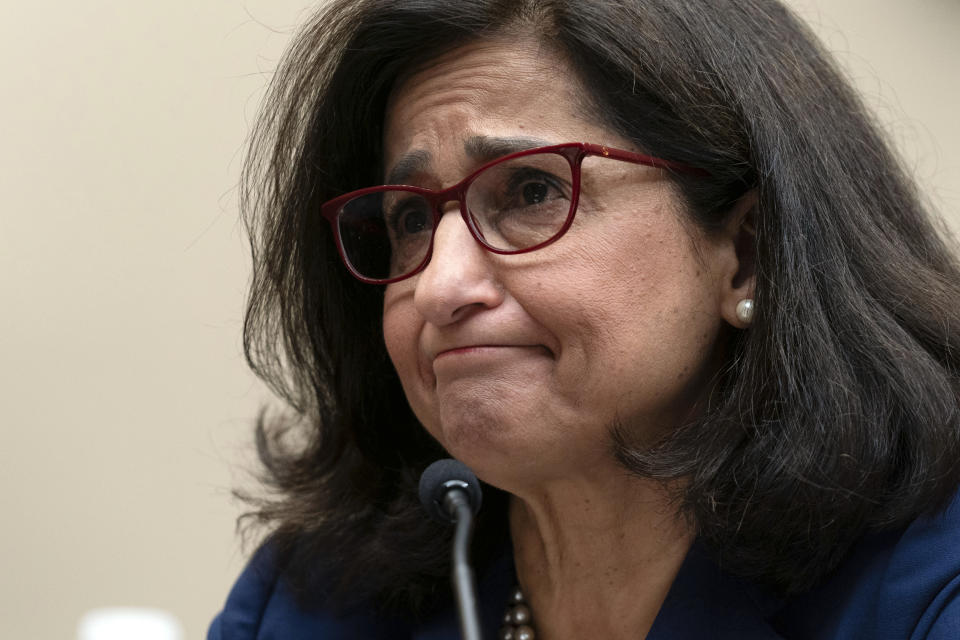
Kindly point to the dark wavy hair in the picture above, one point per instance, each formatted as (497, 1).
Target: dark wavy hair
(836, 413)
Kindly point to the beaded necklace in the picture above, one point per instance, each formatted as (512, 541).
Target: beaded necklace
(518, 619)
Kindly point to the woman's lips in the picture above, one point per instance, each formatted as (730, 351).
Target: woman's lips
(481, 348)
(472, 348)
(481, 356)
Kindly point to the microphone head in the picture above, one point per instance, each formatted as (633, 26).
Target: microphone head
(440, 477)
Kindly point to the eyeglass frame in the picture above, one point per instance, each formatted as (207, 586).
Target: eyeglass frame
(573, 152)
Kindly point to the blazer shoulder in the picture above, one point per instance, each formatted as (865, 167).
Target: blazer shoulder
(262, 606)
(243, 612)
(892, 585)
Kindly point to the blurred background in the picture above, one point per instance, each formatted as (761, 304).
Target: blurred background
(126, 404)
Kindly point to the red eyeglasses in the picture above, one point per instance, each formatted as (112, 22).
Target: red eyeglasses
(514, 204)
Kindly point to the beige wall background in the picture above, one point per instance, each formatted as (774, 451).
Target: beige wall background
(125, 402)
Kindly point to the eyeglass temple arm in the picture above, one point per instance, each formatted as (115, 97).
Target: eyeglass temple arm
(641, 158)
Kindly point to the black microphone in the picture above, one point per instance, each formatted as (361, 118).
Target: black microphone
(451, 493)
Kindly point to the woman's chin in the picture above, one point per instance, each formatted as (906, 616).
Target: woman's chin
(506, 455)
(478, 435)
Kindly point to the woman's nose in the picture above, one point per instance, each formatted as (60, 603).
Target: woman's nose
(460, 278)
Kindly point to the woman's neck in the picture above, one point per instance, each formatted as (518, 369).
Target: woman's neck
(597, 558)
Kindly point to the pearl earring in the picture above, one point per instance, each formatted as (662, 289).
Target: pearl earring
(745, 311)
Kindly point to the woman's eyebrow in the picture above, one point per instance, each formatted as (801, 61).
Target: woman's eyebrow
(480, 148)
(409, 164)
(485, 148)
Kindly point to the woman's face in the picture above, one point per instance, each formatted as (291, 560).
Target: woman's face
(520, 365)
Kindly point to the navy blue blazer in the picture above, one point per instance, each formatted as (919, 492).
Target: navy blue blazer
(896, 586)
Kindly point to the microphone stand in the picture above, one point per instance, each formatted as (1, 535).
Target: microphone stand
(450, 492)
(458, 504)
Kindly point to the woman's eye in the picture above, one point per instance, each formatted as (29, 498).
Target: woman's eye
(535, 192)
(408, 218)
(414, 221)
(530, 188)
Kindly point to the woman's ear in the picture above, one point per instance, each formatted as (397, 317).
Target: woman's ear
(737, 287)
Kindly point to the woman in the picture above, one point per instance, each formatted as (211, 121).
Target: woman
(652, 274)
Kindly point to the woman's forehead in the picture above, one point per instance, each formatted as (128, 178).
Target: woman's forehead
(481, 102)
(496, 70)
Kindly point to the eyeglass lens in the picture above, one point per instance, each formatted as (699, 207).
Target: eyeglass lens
(512, 205)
